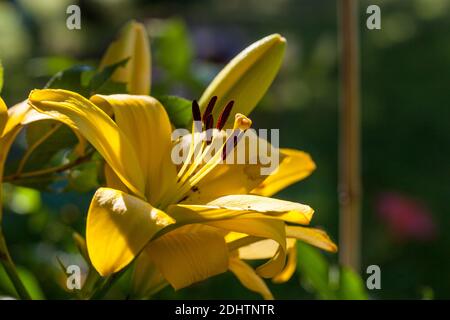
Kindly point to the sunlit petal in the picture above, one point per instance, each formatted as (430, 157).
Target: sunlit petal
(315, 237)
(98, 128)
(291, 264)
(243, 206)
(295, 165)
(263, 229)
(118, 227)
(249, 279)
(145, 123)
(186, 257)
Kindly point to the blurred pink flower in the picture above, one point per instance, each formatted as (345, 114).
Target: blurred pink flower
(406, 217)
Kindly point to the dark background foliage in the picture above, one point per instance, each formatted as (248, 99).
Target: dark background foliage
(405, 112)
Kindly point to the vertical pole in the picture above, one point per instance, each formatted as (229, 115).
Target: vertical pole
(349, 148)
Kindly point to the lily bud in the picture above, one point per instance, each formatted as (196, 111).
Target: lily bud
(246, 78)
(133, 44)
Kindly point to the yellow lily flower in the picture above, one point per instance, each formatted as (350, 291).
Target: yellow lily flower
(188, 221)
(132, 43)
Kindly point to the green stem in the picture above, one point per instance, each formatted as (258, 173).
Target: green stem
(11, 271)
(104, 287)
(42, 172)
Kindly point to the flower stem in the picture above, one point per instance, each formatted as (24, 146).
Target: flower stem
(103, 288)
(350, 180)
(11, 271)
(46, 171)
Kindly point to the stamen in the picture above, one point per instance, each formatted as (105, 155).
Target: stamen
(208, 125)
(209, 122)
(196, 115)
(241, 122)
(209, 108)
(224, 115)
(236, 136)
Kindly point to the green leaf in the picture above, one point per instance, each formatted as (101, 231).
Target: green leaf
(112, 87)
(28, 280)
(47, 143)
(84, 178)
(173, 48)
(31, 284)
(314, 269)
(178, 109)
(99, 79)
(71, 79)
(62, 138)
(351, 286)
(86, 81)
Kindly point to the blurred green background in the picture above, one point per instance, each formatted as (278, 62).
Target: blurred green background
(405, 114)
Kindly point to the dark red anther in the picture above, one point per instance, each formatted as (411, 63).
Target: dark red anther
(236, 136)
(196, 115)
(224, 115)
(209, 108)
(224, 153)
(209, 122)
(208, 125)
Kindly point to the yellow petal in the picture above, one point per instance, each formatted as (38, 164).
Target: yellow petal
(118, 227)
(247, 77)
(188, 257)
(249, 279)
(263, 229)
(264, 249)
(3, 115)
(5, 144)
(132, 43)
(255, 249)
(98, 128)
(16, 115)
(243, 206)
(295, 165)
(113, 181)
(315, 237)
(147, 279)
(290, 267)
(147, 126)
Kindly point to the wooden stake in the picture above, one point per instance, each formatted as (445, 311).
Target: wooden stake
(350, 180)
